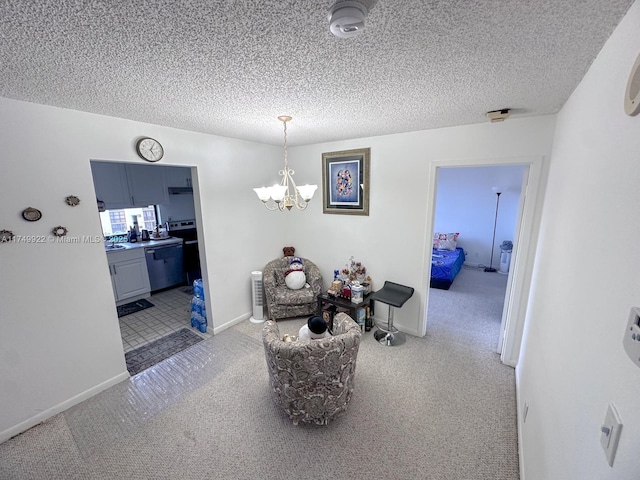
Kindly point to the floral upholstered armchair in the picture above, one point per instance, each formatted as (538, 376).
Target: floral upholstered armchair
(313, 380)
(281, 301)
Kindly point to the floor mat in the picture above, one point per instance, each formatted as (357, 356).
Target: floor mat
(144, 357)
(122, 411)
(133, 307)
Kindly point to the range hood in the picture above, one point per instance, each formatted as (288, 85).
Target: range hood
(180, 190)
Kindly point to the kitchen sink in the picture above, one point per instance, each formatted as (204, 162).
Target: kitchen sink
(108, 248)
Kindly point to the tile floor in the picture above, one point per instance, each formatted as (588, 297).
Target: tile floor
(171, 312)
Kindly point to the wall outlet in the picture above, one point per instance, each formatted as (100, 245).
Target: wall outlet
(610, 433)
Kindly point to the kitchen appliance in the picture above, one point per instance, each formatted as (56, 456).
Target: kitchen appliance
(144, 235)
(165, 265)
(186, 229)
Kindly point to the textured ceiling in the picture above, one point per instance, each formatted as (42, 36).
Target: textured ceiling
(230, 67)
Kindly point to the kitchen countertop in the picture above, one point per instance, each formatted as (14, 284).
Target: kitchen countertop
(150, 243)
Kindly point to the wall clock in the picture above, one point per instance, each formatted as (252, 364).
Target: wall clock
(149, 149)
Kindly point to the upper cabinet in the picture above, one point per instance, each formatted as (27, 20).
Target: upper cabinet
(178, 176)
(110, 181)
(124, 185)
(147, 184)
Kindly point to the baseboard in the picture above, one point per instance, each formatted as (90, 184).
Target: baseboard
(401, 328)
(61, 407)
(473, 265)
(520, 424)
(231, 323)
(133, 299)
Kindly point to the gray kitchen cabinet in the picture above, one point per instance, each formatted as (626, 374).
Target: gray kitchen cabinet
(147, 184)
(110, 182)
(124, 185)
(129, 275)
(178, 176)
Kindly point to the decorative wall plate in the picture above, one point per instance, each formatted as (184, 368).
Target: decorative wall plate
(31, 214)
(6, 236)
(59, 231)
(72, 200)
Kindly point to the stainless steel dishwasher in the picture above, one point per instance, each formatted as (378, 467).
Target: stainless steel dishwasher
(165, 266)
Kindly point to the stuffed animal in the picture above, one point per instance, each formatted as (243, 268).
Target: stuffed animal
(314, 329)
(294, 277)
(289, 251)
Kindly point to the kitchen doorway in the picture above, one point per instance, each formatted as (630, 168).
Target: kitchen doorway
(154, 257)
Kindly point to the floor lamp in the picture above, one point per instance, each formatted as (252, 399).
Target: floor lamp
(490, 268)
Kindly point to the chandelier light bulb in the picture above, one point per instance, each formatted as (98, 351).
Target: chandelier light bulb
(263, 193)
(278, 192)
(307, 191)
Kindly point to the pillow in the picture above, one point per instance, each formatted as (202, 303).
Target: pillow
(445, 241)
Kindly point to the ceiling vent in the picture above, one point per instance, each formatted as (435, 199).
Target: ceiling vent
(346, 19)
(498, 115)
(632, 93)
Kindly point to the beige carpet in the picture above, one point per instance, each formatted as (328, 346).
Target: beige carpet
(439, 407)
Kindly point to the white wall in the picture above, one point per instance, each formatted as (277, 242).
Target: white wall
(59, 334)
(586, 280)
(391, 241)
(65, 345)
(465, 203)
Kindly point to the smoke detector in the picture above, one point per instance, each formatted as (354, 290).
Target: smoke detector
(346, 19)
(498, 115)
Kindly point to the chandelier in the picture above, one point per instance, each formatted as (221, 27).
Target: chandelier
(286, 194)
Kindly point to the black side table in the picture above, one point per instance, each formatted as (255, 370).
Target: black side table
(325, 298)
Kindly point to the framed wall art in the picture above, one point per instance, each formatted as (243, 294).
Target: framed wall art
(345, 182)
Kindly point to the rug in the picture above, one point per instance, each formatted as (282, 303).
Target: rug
(133, 307)
(144, 357)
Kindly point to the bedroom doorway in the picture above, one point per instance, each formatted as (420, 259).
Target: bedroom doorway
(521, 267)
(465, 209)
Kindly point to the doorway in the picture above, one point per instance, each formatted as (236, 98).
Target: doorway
(154, 294)
(485, 223)
(521, 267)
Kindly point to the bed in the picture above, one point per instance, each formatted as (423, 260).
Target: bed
(445, 265)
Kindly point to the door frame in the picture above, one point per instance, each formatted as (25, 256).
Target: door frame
(523, 255)
(197, 205)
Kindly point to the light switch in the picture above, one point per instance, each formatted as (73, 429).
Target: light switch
(610, 433)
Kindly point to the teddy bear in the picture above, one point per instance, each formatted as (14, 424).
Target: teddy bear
(294, 277)
(289, 251)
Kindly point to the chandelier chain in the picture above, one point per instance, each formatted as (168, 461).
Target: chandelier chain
(286, 161)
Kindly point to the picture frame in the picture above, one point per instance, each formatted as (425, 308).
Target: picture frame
(345, 182)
